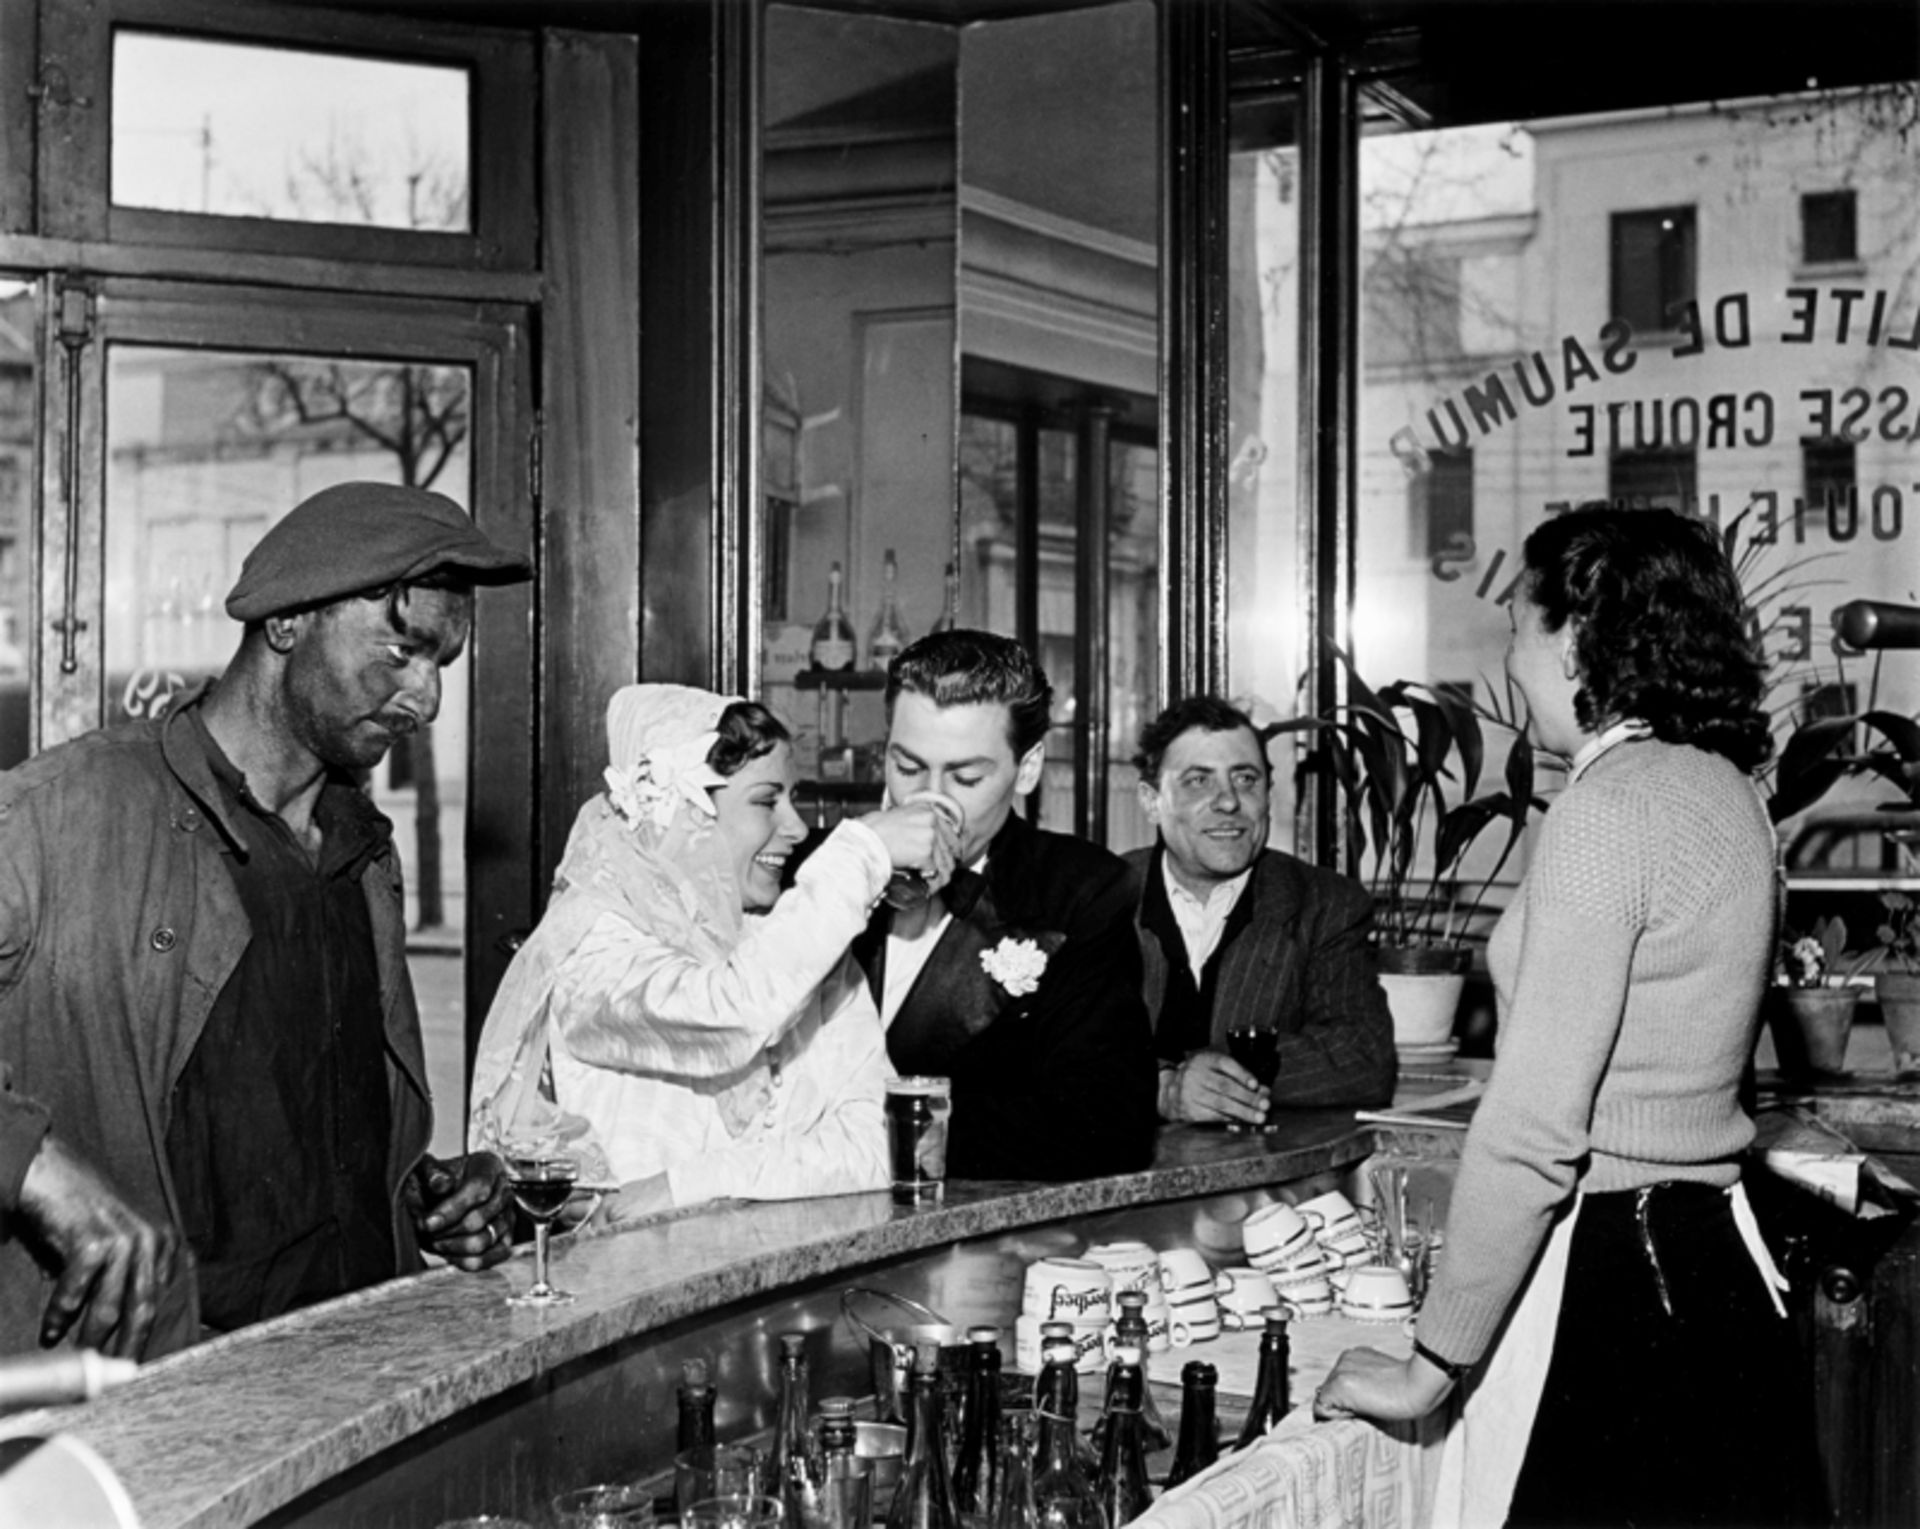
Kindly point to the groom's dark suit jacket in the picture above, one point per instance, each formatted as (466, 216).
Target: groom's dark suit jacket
(1058, 1083)
(1294, 955)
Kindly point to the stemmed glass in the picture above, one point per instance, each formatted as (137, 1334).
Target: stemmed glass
(541, 1186)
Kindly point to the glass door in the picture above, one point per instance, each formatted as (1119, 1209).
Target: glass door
(189, 422)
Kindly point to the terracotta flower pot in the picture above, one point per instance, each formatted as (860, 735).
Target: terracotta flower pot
(1811, 1026)
(1899, 997)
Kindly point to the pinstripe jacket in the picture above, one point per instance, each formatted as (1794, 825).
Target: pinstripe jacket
(1300, 961)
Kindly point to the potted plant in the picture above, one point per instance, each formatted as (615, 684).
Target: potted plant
(1896, 982)
(1814, 1001)
(1407, 759)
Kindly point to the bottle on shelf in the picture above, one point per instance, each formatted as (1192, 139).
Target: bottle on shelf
(1063, 1488)
(950, 610)
(796, 1471)
(1130, 1343)
(924, 1498)
(832, 648)
(976, 1469)
(1015, 1507)
(1270, 1386)
(695, 1430)
(1122, 1480)
(1199, 1443)
(847, 1482)
(889, 633)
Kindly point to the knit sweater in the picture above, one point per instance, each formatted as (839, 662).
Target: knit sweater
(1629, 973)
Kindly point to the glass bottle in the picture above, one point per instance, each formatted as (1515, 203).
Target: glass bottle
(924, 1499)
(1015, 1507)
(1130, 1338)
(950, 611)
(846, 1484)
(1270, 1387)
(795, 1470)
(696, 1407)
(889, 633)
(976, 1469)
(1122, 1481)
(1062, 1485)
(1199, 1443)
(833, 640)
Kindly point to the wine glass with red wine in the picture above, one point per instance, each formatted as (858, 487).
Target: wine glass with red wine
(541, 1186)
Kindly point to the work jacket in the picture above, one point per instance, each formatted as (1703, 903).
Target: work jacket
(119, 927)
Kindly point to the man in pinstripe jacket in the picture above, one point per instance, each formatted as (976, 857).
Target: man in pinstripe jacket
(1236, 935)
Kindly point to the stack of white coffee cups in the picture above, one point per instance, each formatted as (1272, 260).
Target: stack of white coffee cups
(1304, 1252)
(1076, 1291)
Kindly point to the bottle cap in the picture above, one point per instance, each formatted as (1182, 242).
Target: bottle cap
(1132, 1300)
(1056, 1330)
(693, 1373)
(836, 1407)
(1197, 1372)
(983, 1335)
(1276, 1318)
(793, 1345)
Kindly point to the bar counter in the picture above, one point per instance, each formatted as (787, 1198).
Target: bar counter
(430, 1395)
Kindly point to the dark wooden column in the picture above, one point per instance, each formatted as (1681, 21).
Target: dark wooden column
(1193, 345)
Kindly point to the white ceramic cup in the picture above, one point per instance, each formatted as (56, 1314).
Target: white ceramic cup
(1275, 1232)
(1182, 1272)
(1132, 1265)
(1377, 1292)
(1331, 1215)
(1244, 1294)
(1068, 1290)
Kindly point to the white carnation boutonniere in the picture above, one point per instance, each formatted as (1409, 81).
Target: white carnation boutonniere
(650, 787)
(1017, 965)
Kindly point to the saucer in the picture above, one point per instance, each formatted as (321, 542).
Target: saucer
(1434, 1051)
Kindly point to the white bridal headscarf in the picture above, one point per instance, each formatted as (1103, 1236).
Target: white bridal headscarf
(645, 848)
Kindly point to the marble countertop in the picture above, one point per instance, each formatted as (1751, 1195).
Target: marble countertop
(228, 1431)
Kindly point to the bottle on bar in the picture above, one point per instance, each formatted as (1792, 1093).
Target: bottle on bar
(1130, 1340)
(950, 611)
(924, 1498)
(889, 633)
(1122, 1481)
(1199, 1443)
(846, 1480)
(696, 1407)
(976, 1470)
(1270, 1386)
(795, 1470)
(833, 641)
(1015, 1506)
(1062, 1485)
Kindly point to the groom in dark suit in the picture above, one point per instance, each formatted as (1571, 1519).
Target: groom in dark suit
(1233, 934)
(1020, 978)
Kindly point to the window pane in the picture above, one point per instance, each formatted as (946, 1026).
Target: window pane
(1652, 266)
(19, 395)
(206, 450)
(1133, 631)
(240, 130)
(1827, 227)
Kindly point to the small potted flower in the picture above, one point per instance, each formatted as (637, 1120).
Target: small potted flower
(1814, 1012)
(1896, 981)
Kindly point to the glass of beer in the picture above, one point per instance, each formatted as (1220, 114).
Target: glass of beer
(917, 1113)
(1256, 1048)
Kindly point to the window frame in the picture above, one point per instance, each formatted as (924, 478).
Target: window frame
(1667, 299)
(1839, 195)
(75, 135)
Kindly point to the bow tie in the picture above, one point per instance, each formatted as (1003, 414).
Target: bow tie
(963, 891)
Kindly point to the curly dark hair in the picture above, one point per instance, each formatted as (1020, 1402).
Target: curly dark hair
(748, 731)
(1209, 713)
(968, 668)
(1662, 630)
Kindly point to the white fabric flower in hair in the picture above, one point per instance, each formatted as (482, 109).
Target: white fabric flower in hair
(1017, 965)
(648, 789)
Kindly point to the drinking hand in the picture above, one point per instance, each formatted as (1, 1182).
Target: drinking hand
(1210, 1086)
(462, 1209)
(919, 837)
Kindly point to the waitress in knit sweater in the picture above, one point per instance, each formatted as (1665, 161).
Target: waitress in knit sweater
(1604, 1299)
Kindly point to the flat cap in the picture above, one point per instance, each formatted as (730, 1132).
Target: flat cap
(360, 536)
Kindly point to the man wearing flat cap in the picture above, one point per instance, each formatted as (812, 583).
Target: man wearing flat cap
(213, 1101)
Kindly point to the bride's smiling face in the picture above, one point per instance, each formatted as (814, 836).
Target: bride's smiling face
(757, 822)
